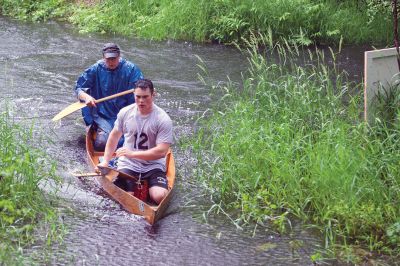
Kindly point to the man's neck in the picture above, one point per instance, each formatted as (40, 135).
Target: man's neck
(145, 113)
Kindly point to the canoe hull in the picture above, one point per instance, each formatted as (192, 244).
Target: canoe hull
(151, 213)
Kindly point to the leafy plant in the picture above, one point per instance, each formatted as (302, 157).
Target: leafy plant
(23, 206)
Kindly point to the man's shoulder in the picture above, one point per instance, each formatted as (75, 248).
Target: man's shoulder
(161, 113)
(127, 109)
(99, 65)
(127, 64)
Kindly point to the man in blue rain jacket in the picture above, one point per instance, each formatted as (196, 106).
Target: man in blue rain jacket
(110, 75)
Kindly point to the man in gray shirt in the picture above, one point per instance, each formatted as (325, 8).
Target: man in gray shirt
(147, 130)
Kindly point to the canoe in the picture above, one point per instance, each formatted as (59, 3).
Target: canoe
(151, 212)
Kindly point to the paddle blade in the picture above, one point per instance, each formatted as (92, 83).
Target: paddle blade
(69, 110)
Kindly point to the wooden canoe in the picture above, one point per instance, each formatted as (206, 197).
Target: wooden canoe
(152, 213)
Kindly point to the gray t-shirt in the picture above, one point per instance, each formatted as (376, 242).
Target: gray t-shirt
(154, 128)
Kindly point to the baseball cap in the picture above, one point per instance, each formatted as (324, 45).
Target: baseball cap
(110, 50)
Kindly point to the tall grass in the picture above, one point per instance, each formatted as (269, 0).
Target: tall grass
(300, 21)
(226, 21)
(25, 210)
(291, 143)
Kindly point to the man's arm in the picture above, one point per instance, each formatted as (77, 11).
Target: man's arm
(111, 145)
(84, 84)
(89, 100)
(134, 75)
(159, 151)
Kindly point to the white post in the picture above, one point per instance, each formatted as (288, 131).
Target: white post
(380, 72)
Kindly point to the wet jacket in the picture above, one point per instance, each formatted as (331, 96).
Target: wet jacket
(100, 82)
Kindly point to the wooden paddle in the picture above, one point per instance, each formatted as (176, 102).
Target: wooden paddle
(105, 170)
(79, 105)
(85, 174)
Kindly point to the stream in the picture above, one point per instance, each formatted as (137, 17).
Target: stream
(39, 66)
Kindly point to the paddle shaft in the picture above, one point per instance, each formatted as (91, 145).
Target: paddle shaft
(85, 174)
(105, 170)
(114, 96)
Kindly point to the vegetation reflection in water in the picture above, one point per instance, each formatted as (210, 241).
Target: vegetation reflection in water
(292, 144)
(27, 214)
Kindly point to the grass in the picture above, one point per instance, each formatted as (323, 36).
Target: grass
(227, 21)
(27, 214)
(291, 144)
(301, 21)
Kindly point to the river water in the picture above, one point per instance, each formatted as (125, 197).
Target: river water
(39, 66)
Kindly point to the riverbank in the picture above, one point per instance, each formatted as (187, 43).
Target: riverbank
(27, 214)
(291, 145)
(301, 22)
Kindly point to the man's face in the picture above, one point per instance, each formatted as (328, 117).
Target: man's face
(112, 62)
(144, 100)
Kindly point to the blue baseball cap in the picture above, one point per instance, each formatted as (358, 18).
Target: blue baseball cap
(111, 50)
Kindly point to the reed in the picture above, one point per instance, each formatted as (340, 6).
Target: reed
(301, 21)
(291, 145)
(26, 212)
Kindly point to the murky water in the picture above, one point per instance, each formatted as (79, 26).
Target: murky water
(39, 66)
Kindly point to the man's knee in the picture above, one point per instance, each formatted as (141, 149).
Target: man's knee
(157, 194)
(101, 140)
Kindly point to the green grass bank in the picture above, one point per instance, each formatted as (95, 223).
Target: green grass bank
(27, 214)
(224, 21)
(292, 145)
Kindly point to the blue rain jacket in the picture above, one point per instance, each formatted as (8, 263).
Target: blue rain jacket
(100, 82)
